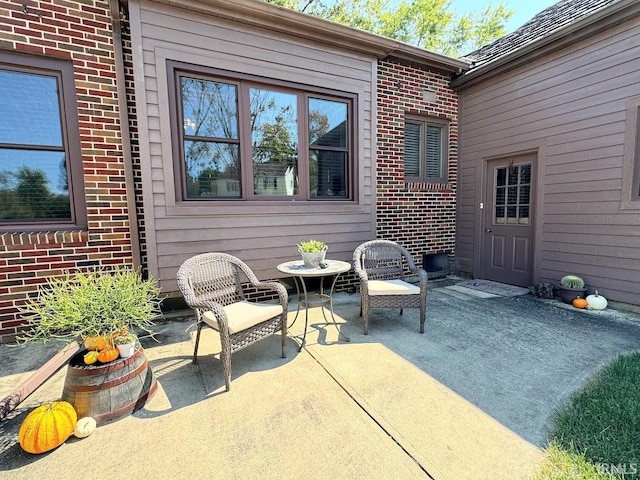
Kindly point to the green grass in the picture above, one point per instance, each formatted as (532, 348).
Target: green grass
(560, 464)
(598, 431)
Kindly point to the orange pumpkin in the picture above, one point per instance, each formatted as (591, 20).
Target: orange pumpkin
(108, 354)
(579, 302)
(47, 427)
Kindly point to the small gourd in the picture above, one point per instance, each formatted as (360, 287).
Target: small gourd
(108, 354)
(596, 302)
(84, 427)
(91, 357)
(579, 302)
(98, 342)
(47, 427)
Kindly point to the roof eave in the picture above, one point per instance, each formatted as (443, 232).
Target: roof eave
(308, 27)
(614, 14)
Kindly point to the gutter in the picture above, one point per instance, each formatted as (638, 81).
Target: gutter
(114, 7)
(285, 21)
(601, 20)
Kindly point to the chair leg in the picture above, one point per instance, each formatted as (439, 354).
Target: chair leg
(423, 317)
(225, 356)
(195, 349)
(284, 335)
(401, 310)
(365, 317)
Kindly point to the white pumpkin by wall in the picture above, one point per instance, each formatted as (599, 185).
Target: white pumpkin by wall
(596, 302)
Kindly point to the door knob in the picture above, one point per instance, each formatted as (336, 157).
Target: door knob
(488, 230)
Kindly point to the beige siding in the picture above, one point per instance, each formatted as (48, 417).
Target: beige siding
(570, 107)
(261, 233)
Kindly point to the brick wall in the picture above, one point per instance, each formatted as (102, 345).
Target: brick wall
(420, 216)
(80, 31)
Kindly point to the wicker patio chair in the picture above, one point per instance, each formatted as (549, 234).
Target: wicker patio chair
(211, 285)
(380, 266)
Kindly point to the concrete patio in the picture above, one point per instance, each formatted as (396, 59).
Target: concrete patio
(469, 399)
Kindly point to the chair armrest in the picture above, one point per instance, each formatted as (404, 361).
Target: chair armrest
(423, 277)
(218, 311)
(278, 288)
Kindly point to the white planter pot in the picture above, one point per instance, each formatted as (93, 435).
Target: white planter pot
(127, 349)
(312, 260)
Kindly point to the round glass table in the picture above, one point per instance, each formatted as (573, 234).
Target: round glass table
(300, 273)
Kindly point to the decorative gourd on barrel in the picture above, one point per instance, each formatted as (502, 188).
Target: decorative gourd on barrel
(95, 308)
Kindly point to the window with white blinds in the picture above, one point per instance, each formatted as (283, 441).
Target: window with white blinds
(425, 155)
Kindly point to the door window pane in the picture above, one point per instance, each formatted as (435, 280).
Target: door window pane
(512, 194)
(274, 142)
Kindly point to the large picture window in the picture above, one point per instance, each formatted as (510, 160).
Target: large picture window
(40, 161)
(241, 138)
(425, 150)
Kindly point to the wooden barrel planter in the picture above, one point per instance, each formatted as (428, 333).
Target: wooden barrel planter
(109, 391)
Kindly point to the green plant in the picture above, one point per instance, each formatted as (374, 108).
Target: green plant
(125, 339)
(312, 246)
(90, 304)
(572, 281)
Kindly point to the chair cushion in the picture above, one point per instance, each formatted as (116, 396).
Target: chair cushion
(392, 287)
(243, 315)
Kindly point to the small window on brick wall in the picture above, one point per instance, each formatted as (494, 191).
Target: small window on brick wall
(425, 149)
(41, 184)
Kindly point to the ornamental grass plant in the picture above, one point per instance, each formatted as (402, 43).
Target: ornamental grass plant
(95, 303)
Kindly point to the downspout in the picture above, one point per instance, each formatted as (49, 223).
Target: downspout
(114, 6)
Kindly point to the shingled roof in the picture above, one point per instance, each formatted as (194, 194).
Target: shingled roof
(549, 20)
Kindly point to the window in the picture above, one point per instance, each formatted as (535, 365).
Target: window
(512, 194)
(242, 138)
(425, 149)
(40, 162)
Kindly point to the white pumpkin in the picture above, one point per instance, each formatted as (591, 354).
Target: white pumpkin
(596, 302)
(84, 427)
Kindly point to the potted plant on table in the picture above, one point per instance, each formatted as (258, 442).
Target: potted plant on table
(571, 287)
(313, 252)
(126, 344)
(93, 309)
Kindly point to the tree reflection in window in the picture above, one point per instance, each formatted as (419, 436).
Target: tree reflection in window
(211, 143)
(274, 141)
(33, 181)
(242, 139)
(328, 159)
